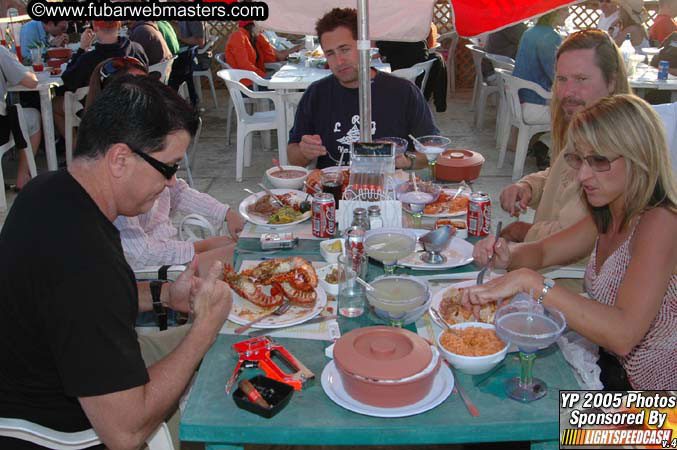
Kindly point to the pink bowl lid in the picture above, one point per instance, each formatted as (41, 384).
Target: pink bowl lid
(382, 353)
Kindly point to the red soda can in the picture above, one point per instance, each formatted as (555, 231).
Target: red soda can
(354, 245)
(479, 215)
(324, 215)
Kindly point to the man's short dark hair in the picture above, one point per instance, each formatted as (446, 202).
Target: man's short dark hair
(337, 17)
(135, 110)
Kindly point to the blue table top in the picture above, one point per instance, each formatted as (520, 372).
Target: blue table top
(311, 418)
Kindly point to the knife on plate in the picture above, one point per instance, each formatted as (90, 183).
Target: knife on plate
(265, 331)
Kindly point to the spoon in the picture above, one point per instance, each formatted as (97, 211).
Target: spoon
(248, 190)
(276, 163)
(417, 143)
(435, 314)
(273, 196)
(366, 285)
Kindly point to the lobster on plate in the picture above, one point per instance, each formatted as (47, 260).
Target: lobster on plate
(293, 278)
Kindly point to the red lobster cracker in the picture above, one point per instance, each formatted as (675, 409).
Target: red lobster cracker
(293, 278)
(259, 352)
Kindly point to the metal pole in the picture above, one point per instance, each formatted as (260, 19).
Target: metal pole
(363, 46)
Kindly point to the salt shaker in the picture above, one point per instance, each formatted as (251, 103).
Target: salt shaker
(360, 219)
(375, 219)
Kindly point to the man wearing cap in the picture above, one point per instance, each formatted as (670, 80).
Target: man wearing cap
(248, 49)
(328, 118)
(109, 45)
(633, 16)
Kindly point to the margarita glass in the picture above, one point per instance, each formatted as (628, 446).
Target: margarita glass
(399, 299)
(389, 245)
(432, 147)
(418, 195)
(530, 327)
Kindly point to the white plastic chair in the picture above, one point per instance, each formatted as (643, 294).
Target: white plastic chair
(72, 104)
(505, 63)
(221, 59)
(206, 73)
(425, 65)
(451, 58)
(511, 86)
(482, 89)
(28, 151)
(257, 121)
(164, 67)
(408, 73)
(49, 438)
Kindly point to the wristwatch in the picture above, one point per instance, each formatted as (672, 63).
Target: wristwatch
(412, 158)
(548, 283)
(158, 307)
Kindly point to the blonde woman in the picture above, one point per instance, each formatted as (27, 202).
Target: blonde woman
(618, 148)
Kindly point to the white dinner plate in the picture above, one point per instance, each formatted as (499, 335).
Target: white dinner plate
(243, 311)
(300, 196)
(458, 253)
(442, 386)
(439, 296)
(451, 192)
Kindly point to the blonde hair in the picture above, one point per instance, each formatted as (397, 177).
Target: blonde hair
(609, 60)
(625, 125)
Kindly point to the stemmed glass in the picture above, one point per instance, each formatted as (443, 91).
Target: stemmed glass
(531, 327)
(432, 147)
(388, 245)
(418, 195)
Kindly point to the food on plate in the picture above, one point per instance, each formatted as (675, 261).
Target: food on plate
(286, 214)
(334, 247)
(288, 173)
(317, 53)
(268, 209)
(333, 276)
(453, 312)
(472, 341)
(293, 278)
(444, 204)
(458, 224)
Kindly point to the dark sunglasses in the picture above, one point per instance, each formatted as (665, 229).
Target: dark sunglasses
(598, 163)
(120, 63)
(166, 170)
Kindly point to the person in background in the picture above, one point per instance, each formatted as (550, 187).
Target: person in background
(12, 72)
(169, 35)
(248, 49)
(36, 33)
(609, 19)
(503, 42)
(668, 52)
(617, 150)
(148, 35)
(72, 358)
(191, 34)
(664, 24)
(633, 16)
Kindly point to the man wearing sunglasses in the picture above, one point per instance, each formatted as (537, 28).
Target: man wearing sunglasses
(72, 359)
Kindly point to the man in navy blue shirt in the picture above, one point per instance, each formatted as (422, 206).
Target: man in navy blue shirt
(328, 120)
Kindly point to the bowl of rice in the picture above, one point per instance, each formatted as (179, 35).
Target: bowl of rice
(472, 347)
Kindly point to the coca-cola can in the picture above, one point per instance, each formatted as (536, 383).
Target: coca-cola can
(479, 215)
(324, 215)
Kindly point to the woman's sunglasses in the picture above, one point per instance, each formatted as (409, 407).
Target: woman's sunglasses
(598, 163)
(121, 63)
(166, 170)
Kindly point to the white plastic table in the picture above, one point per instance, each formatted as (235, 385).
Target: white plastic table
(646, 77)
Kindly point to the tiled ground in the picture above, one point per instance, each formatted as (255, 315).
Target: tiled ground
(214, 173)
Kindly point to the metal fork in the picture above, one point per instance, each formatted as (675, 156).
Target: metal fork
(480, 276)
(283, 308)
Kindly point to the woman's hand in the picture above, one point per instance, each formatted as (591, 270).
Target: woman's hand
(234, 222)
(521, 280)
(484, 249)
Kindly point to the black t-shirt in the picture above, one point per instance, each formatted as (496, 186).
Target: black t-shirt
(67, 309)
(333, 112)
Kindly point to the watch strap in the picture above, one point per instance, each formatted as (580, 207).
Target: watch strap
(158, 307)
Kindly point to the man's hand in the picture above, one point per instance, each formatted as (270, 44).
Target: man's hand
(402, 162)
(515, 198)
(235, 223)
(60, 40)
(87, 38)
(516, 231)
(210, 299)
(178, 292)
(485, 248)
(311, 146)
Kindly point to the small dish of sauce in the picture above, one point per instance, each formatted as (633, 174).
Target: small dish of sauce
(288, 174)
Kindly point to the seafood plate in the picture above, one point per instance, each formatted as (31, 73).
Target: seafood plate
(261, 209)
(262, 286)
(448, 302)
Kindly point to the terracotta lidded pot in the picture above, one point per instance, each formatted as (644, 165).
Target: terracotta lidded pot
(459, 165)
(386, 366)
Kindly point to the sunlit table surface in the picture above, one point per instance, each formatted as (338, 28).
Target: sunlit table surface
(646, 77)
